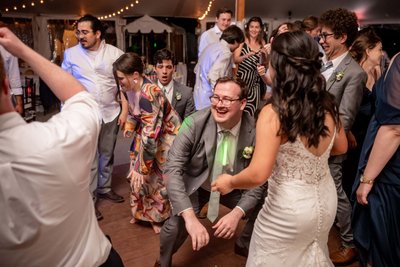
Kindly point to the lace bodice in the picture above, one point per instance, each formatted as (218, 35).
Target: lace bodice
(295, 162)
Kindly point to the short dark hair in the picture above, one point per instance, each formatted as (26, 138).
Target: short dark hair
(97, 25)
(233, 34)
(341, 21)
(222, 11)
(163, 54)
(244, 91)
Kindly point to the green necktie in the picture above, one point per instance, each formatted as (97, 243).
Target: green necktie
(221, 161)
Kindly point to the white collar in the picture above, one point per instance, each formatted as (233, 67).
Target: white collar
(217, 30)
(234, 130)
(168, 87)
(336, 62)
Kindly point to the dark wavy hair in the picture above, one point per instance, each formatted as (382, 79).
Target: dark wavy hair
(299, 96)
(341, 21)
(163, 54)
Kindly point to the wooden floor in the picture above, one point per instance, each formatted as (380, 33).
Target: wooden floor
(138, 246)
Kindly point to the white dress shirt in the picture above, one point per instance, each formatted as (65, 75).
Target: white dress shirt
(12, 69)
(208, 37)
(336, 62)
(47, 212)
(168, 89)
(215, 62)
(94, 70)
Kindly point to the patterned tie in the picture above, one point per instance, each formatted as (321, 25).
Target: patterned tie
(327, 65)
(221, 162)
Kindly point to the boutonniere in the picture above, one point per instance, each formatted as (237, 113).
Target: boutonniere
(248, 152)
(178, 96)
(339, 75)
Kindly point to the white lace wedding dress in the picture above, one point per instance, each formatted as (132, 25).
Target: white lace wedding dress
(293, 226)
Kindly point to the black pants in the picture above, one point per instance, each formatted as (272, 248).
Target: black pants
(113, 260)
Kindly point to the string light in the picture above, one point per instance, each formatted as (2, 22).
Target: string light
(208, 10)
(120, 11)
(24, 6)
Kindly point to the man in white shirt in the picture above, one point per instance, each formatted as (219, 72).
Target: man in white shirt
(215, 62)
(345, 79)
(14, 78)
(90, 62)
(223, 20)
(179, 95)
(48, 217)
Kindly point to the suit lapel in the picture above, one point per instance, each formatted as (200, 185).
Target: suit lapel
(341, 68)
(246, 138)
(209, 137)
(174, 90)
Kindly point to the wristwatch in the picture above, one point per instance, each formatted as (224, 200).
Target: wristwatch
(364, 180)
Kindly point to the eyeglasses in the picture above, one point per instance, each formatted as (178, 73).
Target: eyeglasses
(83, 32)
(325, 35)
(224, 101)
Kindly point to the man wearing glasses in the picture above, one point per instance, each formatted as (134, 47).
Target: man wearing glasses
(192, 163)
(90, 62)
(345, 79)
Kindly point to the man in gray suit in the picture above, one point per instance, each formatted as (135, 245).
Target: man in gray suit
(179, 95)
(346, 81)
(189, 169)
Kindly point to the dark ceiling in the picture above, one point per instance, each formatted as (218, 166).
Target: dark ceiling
(369, 10)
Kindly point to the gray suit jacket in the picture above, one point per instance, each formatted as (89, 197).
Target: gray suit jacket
(348, 90)
(182, 100)
(191, 158)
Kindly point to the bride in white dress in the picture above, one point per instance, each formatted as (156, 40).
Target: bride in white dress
(295, 135)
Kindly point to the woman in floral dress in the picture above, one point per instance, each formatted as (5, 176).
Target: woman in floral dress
(153, 125)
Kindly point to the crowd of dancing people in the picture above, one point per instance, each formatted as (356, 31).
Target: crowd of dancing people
(295, 133)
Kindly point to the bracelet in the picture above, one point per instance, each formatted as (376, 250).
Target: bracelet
(364, 180)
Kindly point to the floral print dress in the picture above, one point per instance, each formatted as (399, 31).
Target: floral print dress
(154, 124)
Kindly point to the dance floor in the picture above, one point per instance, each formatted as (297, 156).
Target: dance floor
(139, 246)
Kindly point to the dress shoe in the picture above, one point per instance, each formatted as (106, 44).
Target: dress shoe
(203, 212)
(241, 251)
(112, 196)
(99, 216)
(344, 256)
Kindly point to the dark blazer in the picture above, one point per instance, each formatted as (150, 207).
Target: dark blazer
(347, 90)
(191, 158)
(182, 100)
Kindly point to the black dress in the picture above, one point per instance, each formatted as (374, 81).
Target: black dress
(359, 130)
(247, 71)
(376, 226)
